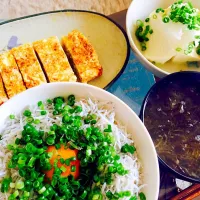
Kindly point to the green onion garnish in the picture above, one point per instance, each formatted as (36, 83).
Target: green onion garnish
(142, 196)
(12, 116)
(128, 148)
(43, 112)
(27, 113)
(166, 19)
(178, 49)
(154, 16)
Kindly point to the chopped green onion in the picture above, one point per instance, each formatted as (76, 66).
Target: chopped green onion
(185, 14)
(43, 112)
(58, 100)
(12, 185)
(49, 101)
(31, 162)
(73, 168)
(55, 112)
(26, 194)
(14, 195)
(133, 198)
(63, 169)
(50, 140)
(140, 23)
(186, 52)
(166, 19)
(5, 184)
(71, 100)
(42, 190)
(109, 129)
(50, 154)
(36, 121)
(73, 158)
(29, 119)
(27, 113)
(159, 10)
(142, 196)
(19, 185)
(67, 162)
(83, 195)
(127, 193)
(178, 49)
(151, 31)
(62, 161)
(51, 133)
(12, 116)
(154, 16)
(39, 103)
(198, 50)
(58, 146)
(78, 109)
(128, 149)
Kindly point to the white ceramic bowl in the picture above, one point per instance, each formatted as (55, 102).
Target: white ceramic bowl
(140, 9)
(144, 144)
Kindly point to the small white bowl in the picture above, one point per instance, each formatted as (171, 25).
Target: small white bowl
(140, 9)
(145, 148)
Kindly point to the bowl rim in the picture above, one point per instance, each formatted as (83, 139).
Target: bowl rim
(84, 85)
(91, 12)
(142, 112)
(135, 48)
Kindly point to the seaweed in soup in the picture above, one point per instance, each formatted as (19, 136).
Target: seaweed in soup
(172, 116)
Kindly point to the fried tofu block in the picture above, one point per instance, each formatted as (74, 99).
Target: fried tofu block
(83, 56)
(28, 65)
(10, 74)
(3, 96)
(54, 60)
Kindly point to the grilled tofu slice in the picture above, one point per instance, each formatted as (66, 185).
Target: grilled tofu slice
(10, 74)
(83, 56)
(54, 60)
(3, 96)
(28, 65)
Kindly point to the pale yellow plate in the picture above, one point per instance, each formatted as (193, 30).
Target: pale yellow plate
(108, 39)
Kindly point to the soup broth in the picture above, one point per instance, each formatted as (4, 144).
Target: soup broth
(172, 116)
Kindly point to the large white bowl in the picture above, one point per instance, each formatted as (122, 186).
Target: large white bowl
(140, 9)
(144, 144)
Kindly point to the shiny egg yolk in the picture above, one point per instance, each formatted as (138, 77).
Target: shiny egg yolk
(65, 153)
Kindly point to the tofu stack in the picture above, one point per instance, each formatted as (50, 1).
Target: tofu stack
(43, 61)
(3, 96)
(28, 65)
(54, 60)
(83, 56)
(10, 74)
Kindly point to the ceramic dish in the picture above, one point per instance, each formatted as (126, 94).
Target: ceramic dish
(170, 113)
(124, 114)
(140, 10)
(108, 39)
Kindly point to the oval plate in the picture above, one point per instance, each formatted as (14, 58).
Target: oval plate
(108, 39)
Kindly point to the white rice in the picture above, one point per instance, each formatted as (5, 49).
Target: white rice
(105, 115)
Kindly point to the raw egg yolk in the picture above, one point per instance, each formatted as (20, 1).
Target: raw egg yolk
(65, 153)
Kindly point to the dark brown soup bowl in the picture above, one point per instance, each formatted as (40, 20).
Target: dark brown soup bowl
(171, 114)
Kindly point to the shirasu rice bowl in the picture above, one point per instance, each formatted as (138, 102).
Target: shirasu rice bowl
(117, 176)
